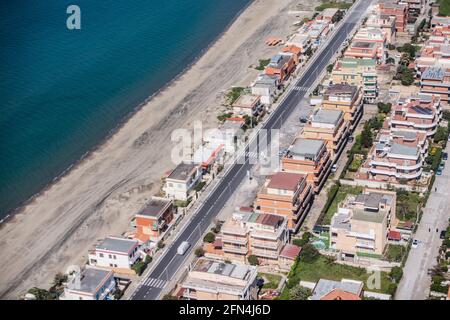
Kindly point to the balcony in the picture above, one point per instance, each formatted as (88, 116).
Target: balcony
(239, 250)
(234, 240)
(265, 244)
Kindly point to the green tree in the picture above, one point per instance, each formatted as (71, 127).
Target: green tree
(384, 107)
(253, 260)
(366, 137)
(441, 134)
(41, 294)
(396, 274)
(309, 253)
(209, 237)
(299, 293)
(199, 252)
(169, 297)
(59, 279)
(330, 68)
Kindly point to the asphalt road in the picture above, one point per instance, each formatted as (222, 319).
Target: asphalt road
(416, 282)
(168, 265)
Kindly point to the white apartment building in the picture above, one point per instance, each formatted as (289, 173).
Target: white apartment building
(115, 253)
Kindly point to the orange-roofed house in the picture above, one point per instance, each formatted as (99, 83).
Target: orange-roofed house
(296, 52)
(281, 65)
(153, 219)
(288, 194)
(311, 158)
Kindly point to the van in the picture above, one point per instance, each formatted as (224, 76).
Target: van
(183, 248)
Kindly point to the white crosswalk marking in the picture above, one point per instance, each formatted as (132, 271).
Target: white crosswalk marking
(156, 283)
(299, 88)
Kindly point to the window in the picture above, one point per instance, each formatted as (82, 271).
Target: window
(101, 255)
(114, 256)
(111, 265)
(110, 256)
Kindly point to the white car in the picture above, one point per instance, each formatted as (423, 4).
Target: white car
(183, 248)
(415, 244)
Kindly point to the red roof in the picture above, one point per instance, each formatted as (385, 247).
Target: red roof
(290, 251)
(235, 119)
(338, 294)
(394, 235)
(285, 180)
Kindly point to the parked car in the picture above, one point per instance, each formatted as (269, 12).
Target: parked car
(445, 155)
(442, 165)
(334, 168)
(303, 120)
(351, 138)
(415, 244)
(442, 235)
(439, 172)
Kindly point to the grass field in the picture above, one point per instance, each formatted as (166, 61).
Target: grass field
(271, 281)
(444, 9)
(340, 196)
(333, 4)
(323, 268)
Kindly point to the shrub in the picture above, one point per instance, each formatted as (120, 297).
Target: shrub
(41, 294)
(199, 252)
(309, 253)
(209, 237)
(139, 267)
(299, 293)
(384, 107)
(396, 274)
(148, 259)
(253, 260)
(160, 244)
(366, 136)
(169, 297)
(392, 288)
(441, 134)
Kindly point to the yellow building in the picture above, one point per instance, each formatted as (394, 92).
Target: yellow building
(347, 98)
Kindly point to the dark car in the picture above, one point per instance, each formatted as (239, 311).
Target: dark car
(442, 235)
(303, 120)
(445, 156)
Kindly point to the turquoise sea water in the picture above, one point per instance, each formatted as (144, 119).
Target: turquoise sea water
(62, 91)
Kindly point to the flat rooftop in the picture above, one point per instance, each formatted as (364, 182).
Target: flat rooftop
(117, 244)
(183, 171)
(237, 271)
(307, 147)
(397, 148)
(341, 88)
(91, 279)
(433, 74)
(155, 207)
(246, 101)
(327, 116)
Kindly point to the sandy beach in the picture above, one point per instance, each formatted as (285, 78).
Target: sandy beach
(99, 196)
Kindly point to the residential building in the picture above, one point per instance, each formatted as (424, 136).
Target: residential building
(385, 23)
(300, 40)
(366, 50)
(338, 290)
(296, 53)
(436, 81)
(357, 72)
(153, 219)
(288, 194)
(266, 87)
(253, 233)
(328, 14)
(209, 155)
(182, 180)
(330, 126)
(288, 256)
(348, 99)
(226, 134)
(90, 284)
(281, 65)
(248, 105)
(418, 113)
(415, 7)
(216, 280)
(309, 157)
(362, 223)
(400, 11)
(392, 161)
(115, 253)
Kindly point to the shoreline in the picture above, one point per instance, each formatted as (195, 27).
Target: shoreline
(9, 215)
(97, 196)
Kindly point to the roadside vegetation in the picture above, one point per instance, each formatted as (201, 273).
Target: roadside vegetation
(333, 4)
